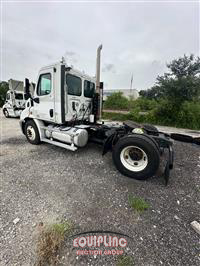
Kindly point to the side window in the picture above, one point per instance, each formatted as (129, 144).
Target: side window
(89, 88)
(73, 85)
(44, 85)
(8, 96)
(18, 96)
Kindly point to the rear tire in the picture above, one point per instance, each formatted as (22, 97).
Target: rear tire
(32, 133)
(5, 112)
(136, 156)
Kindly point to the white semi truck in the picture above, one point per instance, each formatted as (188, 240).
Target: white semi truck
(15, 101)
(66, 111)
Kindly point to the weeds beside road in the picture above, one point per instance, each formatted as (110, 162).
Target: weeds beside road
(47, 184)
(160, 112)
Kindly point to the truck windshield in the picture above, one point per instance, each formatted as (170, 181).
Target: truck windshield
(18, 96)
(89, 89)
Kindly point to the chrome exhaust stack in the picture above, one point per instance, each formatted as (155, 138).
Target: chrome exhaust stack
(98, 65)
(98, 90)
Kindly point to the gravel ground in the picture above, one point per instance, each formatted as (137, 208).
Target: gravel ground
(46, 183)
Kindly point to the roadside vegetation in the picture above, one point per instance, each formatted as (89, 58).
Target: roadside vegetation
(124, 260)
(3, 89)
(174, 100)
(50, 241)
(138, 204)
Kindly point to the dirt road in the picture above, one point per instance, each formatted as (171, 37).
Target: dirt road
(47, 183)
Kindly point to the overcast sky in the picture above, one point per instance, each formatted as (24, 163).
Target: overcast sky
(137, 38)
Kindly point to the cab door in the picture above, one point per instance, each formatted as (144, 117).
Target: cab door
(44, 109)
(74, 97)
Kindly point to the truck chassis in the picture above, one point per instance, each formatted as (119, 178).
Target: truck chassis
(66, 111)
(136, 149)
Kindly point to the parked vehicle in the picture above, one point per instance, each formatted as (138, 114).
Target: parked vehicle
(66, 111)
(15, 101)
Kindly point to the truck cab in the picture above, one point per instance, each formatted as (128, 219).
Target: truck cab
(62, 94)
(66, 111)
(15, 100)
(62, 107)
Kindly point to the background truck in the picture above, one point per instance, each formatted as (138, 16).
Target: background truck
(15, 100)
(66, 111)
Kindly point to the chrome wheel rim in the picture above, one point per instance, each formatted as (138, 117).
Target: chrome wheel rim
(134, 158)
(30, 133)
(6, 113)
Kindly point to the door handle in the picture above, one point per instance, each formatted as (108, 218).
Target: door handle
(51, 112)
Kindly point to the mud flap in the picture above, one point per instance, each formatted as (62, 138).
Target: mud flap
(166, 173)
(169, 164)
(108, 144)
(196, 141)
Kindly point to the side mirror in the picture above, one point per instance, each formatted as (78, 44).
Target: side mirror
(101, 85)
(36, 100)
(27, 89)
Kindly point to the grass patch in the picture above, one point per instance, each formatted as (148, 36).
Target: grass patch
(138, 204)
(132, 115)
(116, 116)
(50, 241)
(124, 260)
(163, 112)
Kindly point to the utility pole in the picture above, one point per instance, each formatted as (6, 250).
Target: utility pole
(131, 84)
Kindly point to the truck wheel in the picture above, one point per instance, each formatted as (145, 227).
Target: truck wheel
(5, 112)
(31, 132)
(136, 156)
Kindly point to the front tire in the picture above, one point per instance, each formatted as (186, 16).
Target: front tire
(136, 156)
(5, 112)
(32, 133)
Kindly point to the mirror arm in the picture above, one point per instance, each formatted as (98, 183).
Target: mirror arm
(36, 100)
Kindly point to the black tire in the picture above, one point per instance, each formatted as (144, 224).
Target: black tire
(31, 132)
(145, 146)
(5, 112)
(153, 131)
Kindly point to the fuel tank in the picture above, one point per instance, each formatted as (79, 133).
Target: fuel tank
(70, 135)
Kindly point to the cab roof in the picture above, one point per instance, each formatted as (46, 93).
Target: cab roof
(72, 70)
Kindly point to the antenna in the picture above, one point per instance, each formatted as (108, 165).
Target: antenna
(63, 59)
(131, 86)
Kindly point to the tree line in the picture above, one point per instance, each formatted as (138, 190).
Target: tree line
(173, 100)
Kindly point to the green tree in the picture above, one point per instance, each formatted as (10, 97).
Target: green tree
(116, 101)
(154, 93)
(3, 89)
(181, 83)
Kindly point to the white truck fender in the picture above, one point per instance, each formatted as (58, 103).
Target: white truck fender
(40, 125)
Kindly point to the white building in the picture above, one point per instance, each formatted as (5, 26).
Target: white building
(133, 93)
